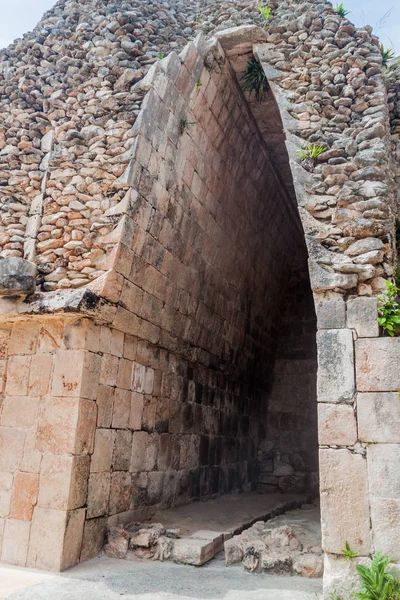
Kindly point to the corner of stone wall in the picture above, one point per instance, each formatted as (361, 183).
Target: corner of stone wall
(47, 425)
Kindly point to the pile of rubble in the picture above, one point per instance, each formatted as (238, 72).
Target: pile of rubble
(153, 541)
(287, 544)
(278, 550)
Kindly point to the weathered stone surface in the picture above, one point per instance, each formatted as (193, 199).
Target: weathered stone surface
(344, 501)
(237, 36)
(117, 543)
(331, 315)
(362, 315)
(341, 577)
(377, 363)
(385, 519)
(309, 565)
(378, 415)
(93, 538)
(383, 471)
(191, 551)
(17, 277)
(15, 542)
(337, 425)
(233, 552)
(59, 530)
(335, 365)
(212, 536)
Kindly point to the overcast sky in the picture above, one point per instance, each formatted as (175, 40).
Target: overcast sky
(20, 16)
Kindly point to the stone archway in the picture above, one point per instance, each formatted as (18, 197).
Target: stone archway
(114, 359)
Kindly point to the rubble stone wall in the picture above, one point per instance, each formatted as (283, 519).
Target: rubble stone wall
(66, 135)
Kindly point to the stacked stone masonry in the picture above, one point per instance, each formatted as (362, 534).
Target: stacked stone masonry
(168, 201)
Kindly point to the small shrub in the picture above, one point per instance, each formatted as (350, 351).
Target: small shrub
(348, 552)
(254, 79)
(264, 11)
(387, 55)
(199, 84)
(341, 11)
(378, 584)
(389, 310)
(311, 152)
(160, 55)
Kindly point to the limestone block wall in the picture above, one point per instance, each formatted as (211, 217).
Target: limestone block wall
(48, 416)
(358, 406)
(200, 258)
(176, 370)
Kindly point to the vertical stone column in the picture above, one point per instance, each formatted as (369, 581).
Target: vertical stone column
(359, 412)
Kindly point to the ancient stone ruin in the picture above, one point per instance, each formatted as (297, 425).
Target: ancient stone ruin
(174, 272)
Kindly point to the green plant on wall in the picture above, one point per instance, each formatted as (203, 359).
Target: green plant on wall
(341, 11)
(378, 583)
(387, 55)
(264, 10)
(389, 310)
(254, 79)
(311, 152)
(184, 124)
(348, 552)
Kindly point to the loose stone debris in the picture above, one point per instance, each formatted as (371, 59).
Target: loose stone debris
(287, 544)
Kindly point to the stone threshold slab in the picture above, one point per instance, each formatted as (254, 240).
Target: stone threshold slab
(230, 514)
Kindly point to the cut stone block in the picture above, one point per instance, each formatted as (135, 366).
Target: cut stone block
(331, 315)
(336, 425)
(15, 542)
(341, 577)
(344, 501)
(17, 277)
(189, 551)
(377, 364)
(6, 485)
(11, 448)
(245, 34)
(335, 365)
(378, 416)
(233, 551)
(383, 470)
(385, 518)
(93, 538)
(98, 494)
(24, 496)
(211, 536)
(362, 315)
(63, 481)
(56, 538)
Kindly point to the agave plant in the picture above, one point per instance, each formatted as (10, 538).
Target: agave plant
(254, 79)
(341, 11)
(387, 55)
(311, 152)
(378, 584)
